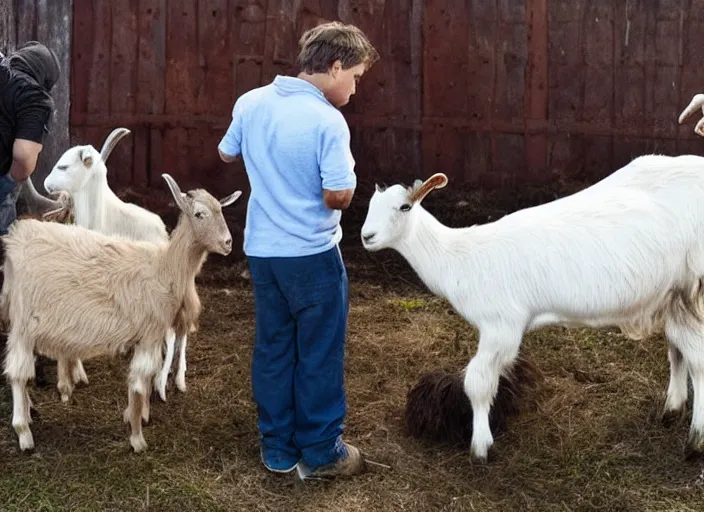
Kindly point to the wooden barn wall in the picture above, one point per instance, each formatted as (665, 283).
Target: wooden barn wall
(496, 93)
(50, 23)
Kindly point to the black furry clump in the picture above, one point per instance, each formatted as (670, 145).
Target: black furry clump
(438, 410)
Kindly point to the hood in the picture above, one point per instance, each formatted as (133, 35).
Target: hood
(37, 61)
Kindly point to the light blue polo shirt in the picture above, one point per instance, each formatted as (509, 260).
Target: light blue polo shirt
(294, 143)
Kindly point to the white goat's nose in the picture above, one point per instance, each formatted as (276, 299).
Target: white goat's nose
(369, 237)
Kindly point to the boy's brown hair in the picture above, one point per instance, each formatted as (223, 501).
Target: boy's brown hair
(322, 45)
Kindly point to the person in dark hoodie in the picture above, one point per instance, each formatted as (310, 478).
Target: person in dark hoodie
(27, 77)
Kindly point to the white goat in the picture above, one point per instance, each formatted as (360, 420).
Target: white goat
(627, 251)
(81, 171)
(75, 293)
(697, 103)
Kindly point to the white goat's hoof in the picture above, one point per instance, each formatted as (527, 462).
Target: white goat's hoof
(138, 443)
(181, 382)
(25, 438)
(480, 454)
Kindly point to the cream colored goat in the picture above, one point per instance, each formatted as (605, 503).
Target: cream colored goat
(73, 293)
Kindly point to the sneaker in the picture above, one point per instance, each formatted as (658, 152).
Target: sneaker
(278, 464)
(352, 464)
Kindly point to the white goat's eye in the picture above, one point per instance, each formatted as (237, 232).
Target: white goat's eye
(405, 207)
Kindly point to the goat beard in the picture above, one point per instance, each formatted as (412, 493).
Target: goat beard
(439, 411)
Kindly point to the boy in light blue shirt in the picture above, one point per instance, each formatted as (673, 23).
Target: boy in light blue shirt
(295, 144)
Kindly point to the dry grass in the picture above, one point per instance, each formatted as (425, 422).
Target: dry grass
(592, 443)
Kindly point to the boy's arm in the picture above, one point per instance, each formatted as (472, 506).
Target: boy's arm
(337, 167)
(338, 199)
(230, 145)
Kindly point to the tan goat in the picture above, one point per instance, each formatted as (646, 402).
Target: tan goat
(73, 293)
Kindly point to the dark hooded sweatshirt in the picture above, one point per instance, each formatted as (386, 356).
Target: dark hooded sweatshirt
(26, 78)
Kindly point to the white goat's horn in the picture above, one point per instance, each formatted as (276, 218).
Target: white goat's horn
(111, 141)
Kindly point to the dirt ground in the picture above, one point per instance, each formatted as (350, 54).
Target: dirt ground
(591, 442)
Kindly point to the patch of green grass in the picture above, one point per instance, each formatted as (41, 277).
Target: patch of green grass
(408, 304)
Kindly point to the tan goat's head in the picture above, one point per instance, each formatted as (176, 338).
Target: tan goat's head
(204, 213)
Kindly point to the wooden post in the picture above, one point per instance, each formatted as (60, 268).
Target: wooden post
(536, 98)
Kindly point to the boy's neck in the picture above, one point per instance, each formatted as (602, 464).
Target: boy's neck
(319, 80)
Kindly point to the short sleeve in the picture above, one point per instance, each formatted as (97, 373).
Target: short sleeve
(336, 161)
(231, 143)
(32, 116)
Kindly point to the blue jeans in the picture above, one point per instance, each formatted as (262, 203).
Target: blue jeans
(301, 307)
(8, 211)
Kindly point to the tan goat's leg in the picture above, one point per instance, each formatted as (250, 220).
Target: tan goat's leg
(162, 376)
(144, 365)
(181, 372)
(19, 368)
(64, 379)
(78, 373)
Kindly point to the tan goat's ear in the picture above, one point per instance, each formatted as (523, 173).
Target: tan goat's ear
(179, 197)
(227, 201)
(438, 180)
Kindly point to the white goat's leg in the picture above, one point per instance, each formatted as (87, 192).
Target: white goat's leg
(695, 443)
(64, 380)
(161, 378)
(19, 368)
(181, 374)
(676, 401)
(79, 373)
(686, 332)
(496, 351)
(143, 367)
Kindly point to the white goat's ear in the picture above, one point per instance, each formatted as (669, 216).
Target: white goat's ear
(86, 158)
(227, 201)
(377, 187)
(438, 180)
(179, 197)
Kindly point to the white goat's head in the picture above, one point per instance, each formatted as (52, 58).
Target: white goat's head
(392, 210)
(73, 170)
(204, 213)
(79, 163)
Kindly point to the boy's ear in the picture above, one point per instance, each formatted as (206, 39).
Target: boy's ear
(336, 67)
